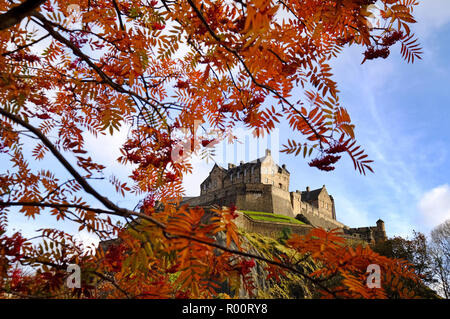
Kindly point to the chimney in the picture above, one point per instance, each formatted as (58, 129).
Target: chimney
(283, 166)
(242, 163)
(267, 152)
(307, 189)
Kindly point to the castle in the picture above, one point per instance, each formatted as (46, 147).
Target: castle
(263, 186)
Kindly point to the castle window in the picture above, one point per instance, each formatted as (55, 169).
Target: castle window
(267, 181)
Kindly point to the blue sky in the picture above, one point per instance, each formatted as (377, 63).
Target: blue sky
(401, 112)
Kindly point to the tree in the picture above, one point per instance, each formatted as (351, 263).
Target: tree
(440, 248)
(417, 252)
(157, 66)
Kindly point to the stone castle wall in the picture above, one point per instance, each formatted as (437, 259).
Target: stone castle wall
(369, 234)
(281, 202)
(248, 196)
(275, 230)
(318, 220)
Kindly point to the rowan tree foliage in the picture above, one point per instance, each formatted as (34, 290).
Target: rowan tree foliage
(77, 67)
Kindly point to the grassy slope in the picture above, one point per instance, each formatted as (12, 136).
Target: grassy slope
(271, 217)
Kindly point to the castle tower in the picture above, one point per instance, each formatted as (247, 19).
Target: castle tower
(380, 225)
(380, 233)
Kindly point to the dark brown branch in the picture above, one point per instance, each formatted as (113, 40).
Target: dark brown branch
(277, 56)
(16, 14)
(119, 15)
(26, 45)
(56, 205)
(80, 179)
(292, 11)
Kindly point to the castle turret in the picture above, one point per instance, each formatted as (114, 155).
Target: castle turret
(380, 225)
(380, 232)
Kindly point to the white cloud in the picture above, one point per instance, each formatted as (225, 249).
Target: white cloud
(191, 182)
(352, 214)
(431, 14)
(89, 241)
(435, 205)
(246, 148)
(106, 148)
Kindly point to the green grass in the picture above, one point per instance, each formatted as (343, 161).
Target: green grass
(271, 217)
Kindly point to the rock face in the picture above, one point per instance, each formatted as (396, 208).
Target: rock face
(289, 286)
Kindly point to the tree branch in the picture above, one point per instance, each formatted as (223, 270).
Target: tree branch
(25, 45)
(16, 14)
(119, 15)
(80, 179)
